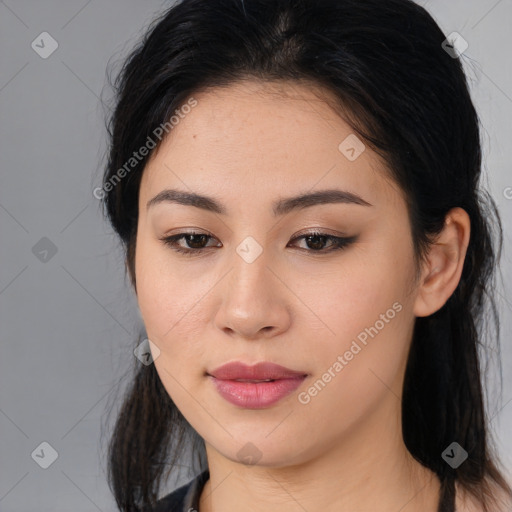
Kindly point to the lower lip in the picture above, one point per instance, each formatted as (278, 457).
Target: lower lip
(256, 395)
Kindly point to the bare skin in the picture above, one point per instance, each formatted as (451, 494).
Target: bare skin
(247, 146)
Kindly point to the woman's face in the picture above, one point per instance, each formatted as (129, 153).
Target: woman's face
(256, 291)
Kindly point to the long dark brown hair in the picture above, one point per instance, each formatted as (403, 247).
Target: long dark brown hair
(400, 89)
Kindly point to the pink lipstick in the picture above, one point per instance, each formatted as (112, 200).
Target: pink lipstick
(257, 386)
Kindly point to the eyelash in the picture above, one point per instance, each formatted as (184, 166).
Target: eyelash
(339, 242)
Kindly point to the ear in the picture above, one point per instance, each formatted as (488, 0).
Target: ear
(443, 267)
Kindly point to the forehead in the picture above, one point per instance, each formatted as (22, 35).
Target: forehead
(259, 139)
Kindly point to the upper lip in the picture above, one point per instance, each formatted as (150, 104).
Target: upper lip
(260, 371)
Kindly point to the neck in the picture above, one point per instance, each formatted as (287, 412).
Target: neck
(368, 469)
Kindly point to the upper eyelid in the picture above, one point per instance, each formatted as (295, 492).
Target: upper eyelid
(305, 230)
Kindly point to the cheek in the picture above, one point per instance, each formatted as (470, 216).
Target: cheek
(169, 303)
(365, 316)
(170, 307)
(352, 297)
(359, 365)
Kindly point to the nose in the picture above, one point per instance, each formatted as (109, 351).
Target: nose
(254, 302)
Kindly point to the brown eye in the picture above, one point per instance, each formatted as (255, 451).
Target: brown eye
(316, 241)
(195, 242)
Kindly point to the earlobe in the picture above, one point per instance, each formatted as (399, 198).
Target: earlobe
(443, 267)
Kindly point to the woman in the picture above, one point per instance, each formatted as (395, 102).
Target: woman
(295, 184)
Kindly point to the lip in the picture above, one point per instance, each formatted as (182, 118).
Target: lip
(231, 379)
(259, 371)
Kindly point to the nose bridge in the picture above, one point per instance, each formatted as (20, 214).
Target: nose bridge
(251, 302)
(250, 267)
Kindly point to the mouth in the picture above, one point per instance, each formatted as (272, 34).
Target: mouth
(260, 372)
(255, 387)
(247, 380)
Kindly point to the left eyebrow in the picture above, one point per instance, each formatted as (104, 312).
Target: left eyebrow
(279, 207)
(284, 206)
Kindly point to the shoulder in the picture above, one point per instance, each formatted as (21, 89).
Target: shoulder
(174, 501)
(184, 498)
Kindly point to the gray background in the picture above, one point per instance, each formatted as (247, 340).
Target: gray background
(68, 325)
